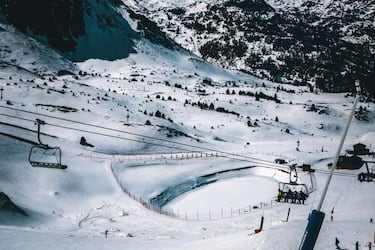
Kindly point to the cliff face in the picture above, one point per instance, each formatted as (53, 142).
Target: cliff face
(59, 21)
(79, 29)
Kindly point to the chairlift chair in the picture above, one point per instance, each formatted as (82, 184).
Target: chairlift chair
(285, 187)
(292, 185)
(43, 155)
(369, 175)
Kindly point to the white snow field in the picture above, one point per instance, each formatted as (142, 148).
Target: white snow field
(235, 192)
(222, 156)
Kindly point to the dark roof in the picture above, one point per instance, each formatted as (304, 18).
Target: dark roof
(349, 162)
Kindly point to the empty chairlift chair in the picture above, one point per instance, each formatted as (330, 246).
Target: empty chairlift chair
(43, 155)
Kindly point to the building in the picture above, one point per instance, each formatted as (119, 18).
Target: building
(360, 149)
(349, 162)
(280, 161)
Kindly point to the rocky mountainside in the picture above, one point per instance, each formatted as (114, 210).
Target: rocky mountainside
(321, 43)
(79, 29)
(327, 43)
(83, 29)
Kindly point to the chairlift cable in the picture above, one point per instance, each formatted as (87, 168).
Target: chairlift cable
(119, 137)
(228, 155)
(17, 117)
(250, 159)
(149, 137)
(96, 133)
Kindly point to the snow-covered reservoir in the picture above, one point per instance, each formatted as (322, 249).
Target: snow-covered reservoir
(226, 194)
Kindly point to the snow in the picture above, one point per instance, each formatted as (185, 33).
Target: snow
(72, 208)
(168, 3)
(30, 55)
(235, 192)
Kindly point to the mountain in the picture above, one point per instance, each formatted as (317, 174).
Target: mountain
(20, 52)
(158, 124)
(327, 43)
(79, 29)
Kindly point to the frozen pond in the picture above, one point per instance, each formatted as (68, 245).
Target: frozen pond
(226, 194)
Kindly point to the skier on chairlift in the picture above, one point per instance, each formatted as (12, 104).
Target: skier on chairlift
(302, 197)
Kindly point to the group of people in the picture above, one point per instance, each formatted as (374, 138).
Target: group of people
(291, 196)
(369, 245)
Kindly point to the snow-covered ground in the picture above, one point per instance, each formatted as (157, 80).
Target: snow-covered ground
(235, 192)
(115, 108)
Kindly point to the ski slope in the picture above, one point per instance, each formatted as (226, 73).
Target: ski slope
(110, 106)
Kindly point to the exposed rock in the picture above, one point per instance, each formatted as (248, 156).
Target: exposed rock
(7, 205)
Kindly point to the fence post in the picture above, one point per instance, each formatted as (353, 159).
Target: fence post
(197, 216)
(221, 213)
(231, 212)
(209, 214)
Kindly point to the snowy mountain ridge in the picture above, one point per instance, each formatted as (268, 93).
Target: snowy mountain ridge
(328, 43)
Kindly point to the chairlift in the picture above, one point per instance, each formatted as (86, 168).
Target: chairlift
(369, 175)
(43, 155)
(291, 187)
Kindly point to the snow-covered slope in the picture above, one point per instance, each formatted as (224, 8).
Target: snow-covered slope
(146, 116)
(327, 43)
(22, 52)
